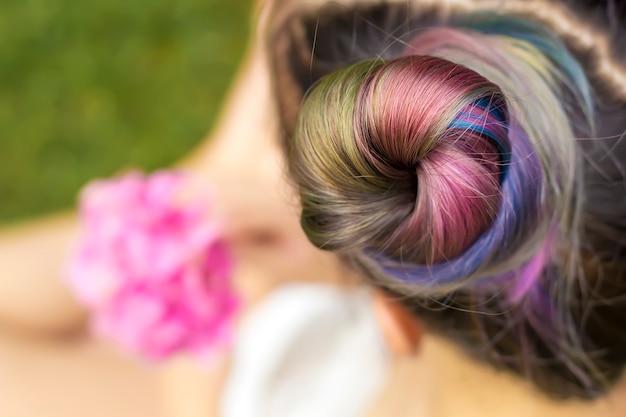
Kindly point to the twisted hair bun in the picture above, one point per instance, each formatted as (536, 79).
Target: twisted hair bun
(412, 165)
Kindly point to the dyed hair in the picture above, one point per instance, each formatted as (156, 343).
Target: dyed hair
(466, 167)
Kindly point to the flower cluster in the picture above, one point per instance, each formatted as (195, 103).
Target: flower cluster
(153, 270)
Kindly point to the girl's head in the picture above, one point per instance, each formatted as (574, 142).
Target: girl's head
(458, 165)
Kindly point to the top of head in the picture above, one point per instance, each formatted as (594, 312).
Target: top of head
(450, 172)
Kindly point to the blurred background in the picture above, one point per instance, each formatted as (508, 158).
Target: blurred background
(88, 88)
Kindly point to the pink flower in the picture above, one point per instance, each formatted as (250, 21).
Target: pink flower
(153, 270)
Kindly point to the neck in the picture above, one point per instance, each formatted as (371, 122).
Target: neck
(441, 380)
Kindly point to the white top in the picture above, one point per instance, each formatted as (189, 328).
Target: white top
(307, 351)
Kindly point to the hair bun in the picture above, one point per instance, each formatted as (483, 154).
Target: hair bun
(411, 167)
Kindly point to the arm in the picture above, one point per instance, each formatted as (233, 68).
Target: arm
(32, 295)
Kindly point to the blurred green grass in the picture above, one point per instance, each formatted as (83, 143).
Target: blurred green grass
(87, 88)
